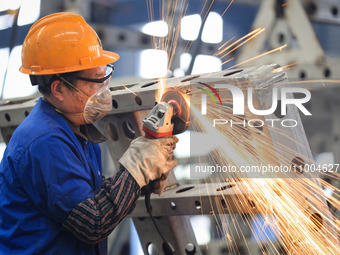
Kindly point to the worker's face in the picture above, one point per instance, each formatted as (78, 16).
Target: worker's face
(89, 82)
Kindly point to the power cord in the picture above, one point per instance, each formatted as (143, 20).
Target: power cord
(167, 247)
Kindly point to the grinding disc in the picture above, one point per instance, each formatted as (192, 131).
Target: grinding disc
(181, 120)
(171, 96)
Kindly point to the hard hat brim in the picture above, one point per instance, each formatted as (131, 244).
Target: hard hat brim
(106, 58)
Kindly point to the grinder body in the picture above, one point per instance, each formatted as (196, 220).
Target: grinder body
(169, 117)
(158, 123)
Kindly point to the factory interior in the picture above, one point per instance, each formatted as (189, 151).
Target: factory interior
(253, 44)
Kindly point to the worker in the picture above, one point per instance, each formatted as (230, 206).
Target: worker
(53, 198)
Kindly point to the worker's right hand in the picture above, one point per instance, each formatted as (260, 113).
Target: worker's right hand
(149, 159)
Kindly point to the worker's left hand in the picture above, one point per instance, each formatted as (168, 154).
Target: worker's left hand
(149, 159)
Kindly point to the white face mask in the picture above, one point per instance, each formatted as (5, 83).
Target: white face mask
(97, 105)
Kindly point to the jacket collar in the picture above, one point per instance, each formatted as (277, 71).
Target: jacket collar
(88, 131)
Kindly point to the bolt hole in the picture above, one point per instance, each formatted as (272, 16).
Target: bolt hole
(128, 130)
(7, 117)
(334, 11)
(26, 113)
(185, 189)
(114, 104)
(152, 249)
(145, 40)
(149, 84)
(251, 203)
(258, 125)
(121, 37)
(226, 187)
(112, 131)
(225, 250)
(190, 249)
(298, 164)
(328, 180)
(316, 218)
(311, 8)
(198, 205)
(232, 72)
(138, 100)
(211, 48)
(224, 204)
(190, 78)
(327, 73)
(303, 75)
(281, 38)
(277, 112)
(173, 205)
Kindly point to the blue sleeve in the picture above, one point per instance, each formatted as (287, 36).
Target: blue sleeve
(98, 154)
(55, 176)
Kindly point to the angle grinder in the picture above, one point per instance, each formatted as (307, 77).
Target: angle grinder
(168, 117)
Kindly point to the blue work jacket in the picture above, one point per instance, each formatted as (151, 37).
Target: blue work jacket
(45, 172)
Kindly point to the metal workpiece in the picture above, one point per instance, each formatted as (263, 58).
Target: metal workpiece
(14, 111)
(248, 247)
(198, 199)
(292, 147)
(176, 230)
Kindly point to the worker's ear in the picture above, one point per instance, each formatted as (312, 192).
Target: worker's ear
(58, 90)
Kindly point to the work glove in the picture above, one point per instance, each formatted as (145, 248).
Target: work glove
(150, 159)
(156, 186)
(159, 184)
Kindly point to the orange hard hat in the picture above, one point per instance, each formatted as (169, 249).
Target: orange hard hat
(60, 43)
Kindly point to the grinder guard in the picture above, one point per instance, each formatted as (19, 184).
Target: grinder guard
(169, 117)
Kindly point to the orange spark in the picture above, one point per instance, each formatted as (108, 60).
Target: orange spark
(227, 61)
(224, 44)
(239, 40)
(227, 8)
(282, 68)
(261, 55)
(161, 89)
(248, 39)
(129, 90)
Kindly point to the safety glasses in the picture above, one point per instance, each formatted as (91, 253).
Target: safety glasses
(109, 72)
(103, 81)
